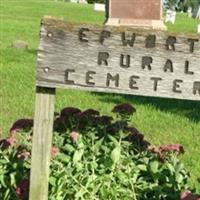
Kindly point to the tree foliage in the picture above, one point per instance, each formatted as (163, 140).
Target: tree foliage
(96, 1)
(179, 5)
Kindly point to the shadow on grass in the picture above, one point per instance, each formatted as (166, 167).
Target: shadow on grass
(186, 108)
(32, 51)
(189, 109)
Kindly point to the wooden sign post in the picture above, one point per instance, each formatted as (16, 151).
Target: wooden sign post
(106, 59)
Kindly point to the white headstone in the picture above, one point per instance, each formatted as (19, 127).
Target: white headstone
(170, 16)
(99, 7)
(189, 12)
(198, 28)
(74, 1)
(19, 44)
(198, 14)
(79, 1)
(83, 1)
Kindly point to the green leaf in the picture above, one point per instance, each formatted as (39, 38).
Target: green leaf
(63, 157)
(105, 149)
(12, 179)
(52, 181)
(121, 176)
(179, 167)
(146, 160)
(79, 166)
(142, 167)
(7, 194)
(179, 178)
(77, 156)
(68, 147)
(154, 166)
(115, 154)
(2, 181)
(98, 145)
(135, 177)
(171, 168)
(116, 143)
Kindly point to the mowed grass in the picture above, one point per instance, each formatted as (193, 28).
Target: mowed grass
(183, 24)
(162, 121)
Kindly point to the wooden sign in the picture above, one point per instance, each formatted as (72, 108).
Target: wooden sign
(105, 59)
(118, 60)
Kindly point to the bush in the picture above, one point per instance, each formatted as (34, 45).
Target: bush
(179, 5)
(94, 157)
(96, 1)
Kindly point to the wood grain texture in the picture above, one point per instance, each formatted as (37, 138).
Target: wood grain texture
(42, 138)
(65, 61)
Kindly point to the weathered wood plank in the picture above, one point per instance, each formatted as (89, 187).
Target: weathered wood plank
(119, 60)
(42, 137)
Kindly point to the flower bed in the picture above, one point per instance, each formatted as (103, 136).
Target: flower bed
(95, 157)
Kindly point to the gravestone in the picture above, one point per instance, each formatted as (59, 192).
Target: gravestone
(99, 7)
(198, 28)
(74, 1)
(142, 13)
(19, 44)
(79, 1)
(196, 13)
(170, 16)
(83, 1)
(189, 12)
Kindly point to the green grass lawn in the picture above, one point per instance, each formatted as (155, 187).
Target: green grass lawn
(162, 120)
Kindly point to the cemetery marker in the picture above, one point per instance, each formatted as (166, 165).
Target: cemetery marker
(106, 59)
(118, 60)
(138, 13)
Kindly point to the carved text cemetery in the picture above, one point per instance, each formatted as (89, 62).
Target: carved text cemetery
(141, 62)
(127, 61)
(99, 104)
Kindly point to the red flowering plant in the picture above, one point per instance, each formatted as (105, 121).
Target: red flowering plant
(15, 154)
(21, 124)
(187, 195)
(124, 111)
(22, 190)
(164, 150)
(94, 156)
(98, 151)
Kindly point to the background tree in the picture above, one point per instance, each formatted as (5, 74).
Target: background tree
(179, 5)
(96, 1)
